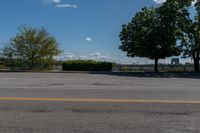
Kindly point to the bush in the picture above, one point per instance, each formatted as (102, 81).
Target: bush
(86, 65)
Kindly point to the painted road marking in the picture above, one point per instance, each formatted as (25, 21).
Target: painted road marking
(101, 100)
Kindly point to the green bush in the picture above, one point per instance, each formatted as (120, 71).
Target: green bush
(86, 65)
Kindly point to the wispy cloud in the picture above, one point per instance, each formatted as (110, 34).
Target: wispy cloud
(66, 6)
(46, 2)
(56, 1)
(59, 4)
(112, 58)
(92, 56)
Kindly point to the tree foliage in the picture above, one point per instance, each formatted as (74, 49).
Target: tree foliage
(33, 47)
(151, 34)
(190, 39)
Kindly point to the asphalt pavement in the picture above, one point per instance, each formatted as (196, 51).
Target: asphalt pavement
(98, 103)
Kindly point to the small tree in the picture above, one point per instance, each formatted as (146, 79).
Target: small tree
(33, 47)
(149, 35)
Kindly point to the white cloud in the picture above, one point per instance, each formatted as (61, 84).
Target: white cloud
(66, 6)
(159, 1)
(66, 56)
(46, 2)
(89, 39)
(95, 56)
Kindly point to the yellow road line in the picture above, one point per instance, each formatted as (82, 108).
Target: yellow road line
(101, 100)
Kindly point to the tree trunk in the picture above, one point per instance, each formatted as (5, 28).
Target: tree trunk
(196, 61)
(32, 63)
(156, 65)
(196, 64)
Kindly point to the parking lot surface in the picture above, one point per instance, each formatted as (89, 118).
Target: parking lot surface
(98, 103)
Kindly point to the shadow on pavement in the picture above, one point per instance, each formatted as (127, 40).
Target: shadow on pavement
(153, 75)
(191, 75)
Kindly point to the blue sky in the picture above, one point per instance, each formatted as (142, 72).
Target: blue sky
(84, 28)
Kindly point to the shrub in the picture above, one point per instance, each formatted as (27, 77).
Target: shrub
(86, 65)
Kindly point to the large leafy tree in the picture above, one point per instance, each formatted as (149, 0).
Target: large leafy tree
(32, 47)
(151, 34)
(190, 38)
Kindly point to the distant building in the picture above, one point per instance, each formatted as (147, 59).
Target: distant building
(175, 61)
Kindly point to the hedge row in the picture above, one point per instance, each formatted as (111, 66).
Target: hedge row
(88, 65)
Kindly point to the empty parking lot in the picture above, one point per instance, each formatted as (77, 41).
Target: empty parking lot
(96, 103)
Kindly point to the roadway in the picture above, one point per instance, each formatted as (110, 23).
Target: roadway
(98, 103)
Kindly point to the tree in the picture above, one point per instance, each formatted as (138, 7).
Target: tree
(190, 38)
(33, 47)
(151, 34)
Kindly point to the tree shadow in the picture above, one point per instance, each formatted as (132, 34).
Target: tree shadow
(190, 75)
